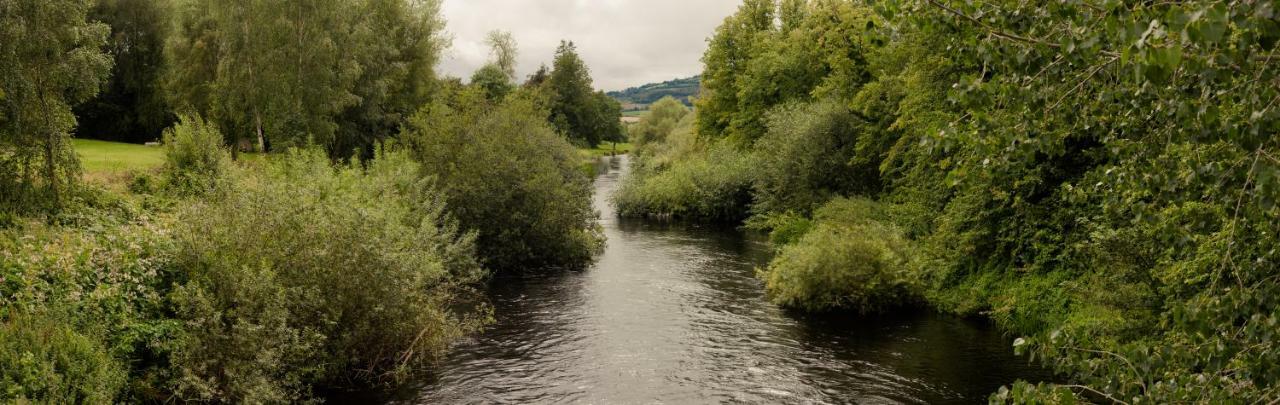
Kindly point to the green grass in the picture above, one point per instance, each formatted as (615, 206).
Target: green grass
(605, 149)
(636, 113)
(108, 159)
(112, 160)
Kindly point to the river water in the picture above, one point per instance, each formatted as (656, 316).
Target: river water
(674, 314)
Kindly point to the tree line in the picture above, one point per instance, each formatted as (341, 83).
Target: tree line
(343, 75)
(1097, 177)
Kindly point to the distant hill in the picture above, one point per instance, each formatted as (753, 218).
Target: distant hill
(639, 98)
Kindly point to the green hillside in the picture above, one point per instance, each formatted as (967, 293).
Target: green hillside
(639, 98)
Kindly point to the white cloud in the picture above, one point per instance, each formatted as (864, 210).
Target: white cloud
(625, 42)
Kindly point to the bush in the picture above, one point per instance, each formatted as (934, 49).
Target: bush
(661, 120)
(107, 278)
(708, 185)
(44, 360)
(304, 273)
(813, 152)
(195, 158)
(850, 260)
(507, 175)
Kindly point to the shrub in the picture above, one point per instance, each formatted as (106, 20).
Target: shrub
(304, 273)
(507, 175)
(850, 260)
(44, 360)
(709, 185)
(107, 278)
(661, 120)
(813, 152)
(195, 158)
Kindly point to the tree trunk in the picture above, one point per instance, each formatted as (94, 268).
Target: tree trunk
(257, 122)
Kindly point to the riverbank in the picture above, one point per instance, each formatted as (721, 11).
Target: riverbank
(673, 313)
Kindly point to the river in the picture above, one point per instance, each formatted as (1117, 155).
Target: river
(674, 314)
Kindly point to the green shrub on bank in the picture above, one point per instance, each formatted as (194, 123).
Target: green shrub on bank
(195, 159)
(508, 176)
(813, 152)
(710, 185)
(304, 273)
(44, 360)
(93, 293)
(850, 260)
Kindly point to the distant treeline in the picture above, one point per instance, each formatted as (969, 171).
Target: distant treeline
(639, 98)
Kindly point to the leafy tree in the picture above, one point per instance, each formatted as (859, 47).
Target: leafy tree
(538, 77)
(51, 59)
(655, 125)
(570, 85)
(132, 105)
(497, 77)
(508, 176)
(503, 48)
(396, 44)
(341, 74)
(726, 59)
(607, 117)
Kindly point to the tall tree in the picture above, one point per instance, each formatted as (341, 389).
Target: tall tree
(131, 107)
(570, 83)
(497, 78)
(329, 72)
(51, 59)
(504, 50)
(728, 52)
(399, 43)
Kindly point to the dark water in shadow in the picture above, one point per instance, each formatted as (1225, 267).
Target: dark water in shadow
(673, 314)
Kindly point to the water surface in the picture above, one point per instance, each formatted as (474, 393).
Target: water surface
(674, 314)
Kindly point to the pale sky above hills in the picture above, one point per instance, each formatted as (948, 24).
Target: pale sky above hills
(625, 42)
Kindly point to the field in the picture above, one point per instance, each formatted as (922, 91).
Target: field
(104, 161)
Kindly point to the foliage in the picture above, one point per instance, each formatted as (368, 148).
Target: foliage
(851, 259)
(493, 81)
(51, 59)
(47, 361)
(813, 152)
(1099, 177)
(508, 176)
(766, 55)
(131, 107)
(351, 73)
(575, 107)
(305, 273)
(661, 120)
(710, 183)
(195, 160)
(92, 296)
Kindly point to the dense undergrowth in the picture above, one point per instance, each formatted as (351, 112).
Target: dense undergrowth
(289, 275)
(1098, 178)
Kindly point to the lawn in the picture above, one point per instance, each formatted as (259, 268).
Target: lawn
(112, 160)
(606, 149)
(104, 160)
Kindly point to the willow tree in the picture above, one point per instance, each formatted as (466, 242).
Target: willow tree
(51, 59)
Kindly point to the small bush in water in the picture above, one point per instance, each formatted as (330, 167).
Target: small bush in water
(712, 184)
(851, 259)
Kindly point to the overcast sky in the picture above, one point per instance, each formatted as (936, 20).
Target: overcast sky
(626, 43)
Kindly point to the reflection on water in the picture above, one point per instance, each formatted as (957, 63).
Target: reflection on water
(673, 313)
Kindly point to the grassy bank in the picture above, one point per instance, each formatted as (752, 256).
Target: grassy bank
(102, 160)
